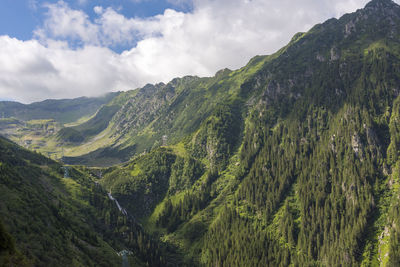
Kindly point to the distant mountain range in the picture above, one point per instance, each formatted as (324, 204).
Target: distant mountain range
(63, 110)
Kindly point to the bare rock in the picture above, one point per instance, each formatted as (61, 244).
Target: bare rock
(349, 29)
(356, 145)
(334, 54)
(320, 58)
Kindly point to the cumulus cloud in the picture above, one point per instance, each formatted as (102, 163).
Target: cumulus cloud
(31, 71)
(71, 55)
(109, 29)
(66, 23)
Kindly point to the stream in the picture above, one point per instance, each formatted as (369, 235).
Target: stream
(124, 253)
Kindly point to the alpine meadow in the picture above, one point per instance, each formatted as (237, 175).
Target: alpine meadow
(291, 160)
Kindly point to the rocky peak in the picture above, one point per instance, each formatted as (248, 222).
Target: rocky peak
(379, 18)
(382, 9)
(381, 4)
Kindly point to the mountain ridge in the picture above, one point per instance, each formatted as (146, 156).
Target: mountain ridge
(55, 108)
(292, 160)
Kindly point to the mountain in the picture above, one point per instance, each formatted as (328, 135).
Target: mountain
(162, 113)
(63, 110)
(292, 160)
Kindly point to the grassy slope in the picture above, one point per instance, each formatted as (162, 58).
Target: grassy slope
(174, 110)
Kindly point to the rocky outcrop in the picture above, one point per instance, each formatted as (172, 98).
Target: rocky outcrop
(357, 145)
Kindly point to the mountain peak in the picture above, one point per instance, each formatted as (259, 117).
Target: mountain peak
(378, 4)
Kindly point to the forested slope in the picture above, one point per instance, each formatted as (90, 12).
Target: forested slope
(58, 217)
(292, 159)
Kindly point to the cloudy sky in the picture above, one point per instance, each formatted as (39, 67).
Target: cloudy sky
(66, 49)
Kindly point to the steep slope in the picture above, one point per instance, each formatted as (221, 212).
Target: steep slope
(292, 159)
(56, 215)
(91, 127)
(164, 114)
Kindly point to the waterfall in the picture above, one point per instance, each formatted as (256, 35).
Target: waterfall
(121, 209)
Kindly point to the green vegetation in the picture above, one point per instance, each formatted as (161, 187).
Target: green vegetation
(289, 160)
(70, 135)
(54, 220)
(9, 255)
(90, 128)
(40, 126)
(292, 160)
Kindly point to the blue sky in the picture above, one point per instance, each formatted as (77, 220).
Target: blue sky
(72, 48)
(20, 18)
(17, 19)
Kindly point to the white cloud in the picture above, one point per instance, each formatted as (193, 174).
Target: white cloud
(217, 34)
(98, 10)
(82, 2)
(31, 71)
(64, 22)
(110, 28)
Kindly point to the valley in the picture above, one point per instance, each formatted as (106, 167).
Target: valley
(291, 160)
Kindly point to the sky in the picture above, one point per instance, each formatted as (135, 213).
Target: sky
(72, 48)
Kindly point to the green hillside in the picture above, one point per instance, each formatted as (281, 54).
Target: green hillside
(90, 128)
(289, 160)
(54, 217)
(292, 160)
